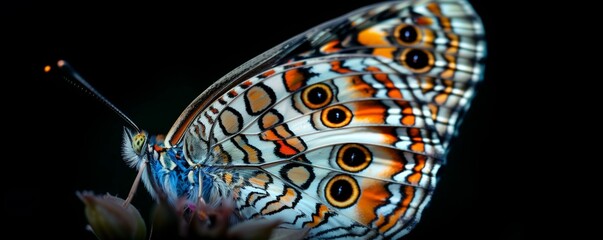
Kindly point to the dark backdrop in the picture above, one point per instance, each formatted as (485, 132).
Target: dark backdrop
(152, 59)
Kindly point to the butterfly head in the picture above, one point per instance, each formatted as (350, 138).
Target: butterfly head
(135, 147)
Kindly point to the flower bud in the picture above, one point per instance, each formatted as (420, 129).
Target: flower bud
(110, 219)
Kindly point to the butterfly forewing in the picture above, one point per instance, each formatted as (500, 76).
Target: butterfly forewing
(343, 128)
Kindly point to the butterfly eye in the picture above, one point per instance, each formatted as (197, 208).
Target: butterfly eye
(342, 191)
(407, 34)
(336, 116)
(317, 96)
(138, 142)
(417, 60)
(353, 157)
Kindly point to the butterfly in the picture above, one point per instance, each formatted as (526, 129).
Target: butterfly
(341, 129)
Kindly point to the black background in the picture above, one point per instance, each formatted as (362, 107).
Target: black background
(152, 59)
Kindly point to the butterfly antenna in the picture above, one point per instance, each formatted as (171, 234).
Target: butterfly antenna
(71, 76)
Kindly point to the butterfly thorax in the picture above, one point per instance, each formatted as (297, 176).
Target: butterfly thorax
(171, 171)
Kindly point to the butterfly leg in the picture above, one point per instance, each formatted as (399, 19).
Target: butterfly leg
(200, 192)
(135, 184)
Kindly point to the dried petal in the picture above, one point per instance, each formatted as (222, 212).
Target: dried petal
(289, 234)
(253, 229)
(168, 223)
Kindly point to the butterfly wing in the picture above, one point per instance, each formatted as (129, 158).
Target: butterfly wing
(342, 129)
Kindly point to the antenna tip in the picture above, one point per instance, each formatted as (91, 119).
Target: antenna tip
(61, 63)
(47, 68)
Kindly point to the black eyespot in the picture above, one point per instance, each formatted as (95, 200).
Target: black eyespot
(353, 157)
(408, 34)
(416, 59)
(341, 190)
(317, 96)
(336, 116)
